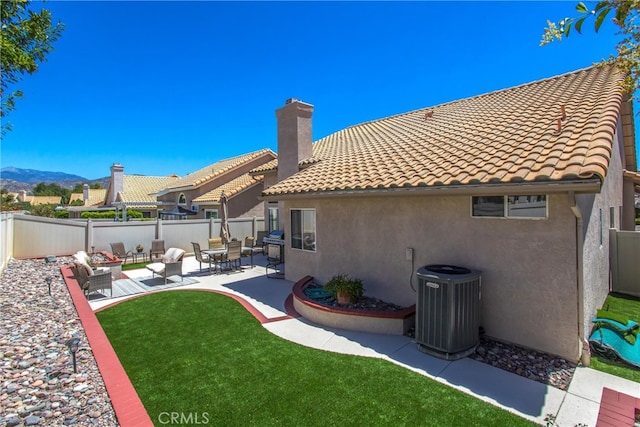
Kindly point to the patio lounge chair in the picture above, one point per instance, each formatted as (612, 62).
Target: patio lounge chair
(118, 250)
(90, 280)
(171, 264)
(200, 257)
(157, 250)
(615, 340)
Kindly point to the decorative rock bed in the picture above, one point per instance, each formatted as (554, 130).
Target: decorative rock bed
(392, 319)
(38, 382)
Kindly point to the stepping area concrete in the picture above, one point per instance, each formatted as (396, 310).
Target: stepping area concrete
(267, 299)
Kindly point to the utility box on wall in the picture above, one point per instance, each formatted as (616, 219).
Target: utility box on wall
(448, 311)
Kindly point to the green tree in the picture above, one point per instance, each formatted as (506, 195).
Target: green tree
(48, 211)
(53, 189)
(26, 38)
(79, 187)
(625, 16)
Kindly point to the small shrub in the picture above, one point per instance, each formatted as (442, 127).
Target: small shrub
(346, 284)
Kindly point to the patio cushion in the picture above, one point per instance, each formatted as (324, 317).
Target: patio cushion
(84, 265)
(156, 267)
(81, 260)
(172, 255)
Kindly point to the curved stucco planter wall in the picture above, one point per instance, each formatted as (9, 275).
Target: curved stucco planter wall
(379, 322)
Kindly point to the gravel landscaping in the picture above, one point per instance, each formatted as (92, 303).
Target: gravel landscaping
(39, 385)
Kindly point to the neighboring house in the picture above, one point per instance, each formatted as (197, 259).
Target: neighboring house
(37, 200)
(138, 192)
(521, 184)
(200, 191)
(124, 192)
(89, 196)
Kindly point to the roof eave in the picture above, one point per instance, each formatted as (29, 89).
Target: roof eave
(592, 185)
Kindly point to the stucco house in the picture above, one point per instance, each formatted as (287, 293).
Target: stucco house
(124, 192)
(89, 196)
(521, 184)
(200, 191)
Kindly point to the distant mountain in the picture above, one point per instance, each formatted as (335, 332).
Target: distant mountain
(16, 179)
(36, 177)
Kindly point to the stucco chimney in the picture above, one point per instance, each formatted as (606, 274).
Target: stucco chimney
(22, 195)
(117, 182)
(85, 194)
(294, 136)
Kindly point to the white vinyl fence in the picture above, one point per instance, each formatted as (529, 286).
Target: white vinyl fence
(26, 236)
(624, 250)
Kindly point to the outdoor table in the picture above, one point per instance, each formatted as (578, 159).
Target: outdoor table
(136, 255)
(212, 252)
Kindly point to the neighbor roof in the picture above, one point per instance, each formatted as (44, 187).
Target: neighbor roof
(96, 197)
(42, 200)
(139, 188)
(199, 177)
(557, 129)
(230, 188)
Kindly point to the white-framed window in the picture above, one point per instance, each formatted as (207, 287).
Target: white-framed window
(182, 199)
(303, 229)
(211, 213)
(510, 206)
(273, 217)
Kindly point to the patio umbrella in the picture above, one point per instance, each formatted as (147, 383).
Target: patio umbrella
(225, 234)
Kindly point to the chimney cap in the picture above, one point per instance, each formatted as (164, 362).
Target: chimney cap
(291, 100)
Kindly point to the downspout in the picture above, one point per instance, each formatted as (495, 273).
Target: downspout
(573, 205)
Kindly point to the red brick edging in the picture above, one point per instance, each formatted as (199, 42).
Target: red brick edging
(617, 409)
(125, 400)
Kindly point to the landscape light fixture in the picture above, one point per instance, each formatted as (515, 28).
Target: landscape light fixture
(73, 345)
(49, 279)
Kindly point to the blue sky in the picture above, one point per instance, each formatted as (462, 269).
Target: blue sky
(170, 87)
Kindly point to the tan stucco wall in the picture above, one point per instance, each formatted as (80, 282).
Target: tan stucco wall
(596, 269)
(529, 266)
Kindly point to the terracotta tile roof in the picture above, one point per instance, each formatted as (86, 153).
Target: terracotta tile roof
(42, 200)
(271, 166)
(96, 197)
(139, 188)
(230, 188)
(210, 172)
(507, 136)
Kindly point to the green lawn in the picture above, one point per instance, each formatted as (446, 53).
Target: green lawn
(629, 307)
(134, 266)
(200, 352)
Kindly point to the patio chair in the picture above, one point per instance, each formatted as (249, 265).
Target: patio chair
(259, 242)
(171, 264)
(250, 248)
(216, 243)
(91, 281)
(117, 249)
(200, 257)
(157, 250)
(234, 253)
